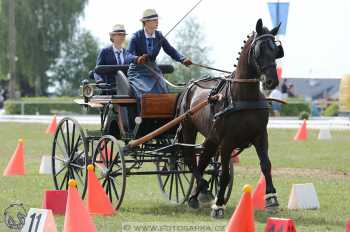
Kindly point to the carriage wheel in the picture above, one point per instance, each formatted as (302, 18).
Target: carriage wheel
(69, 155)
(213, 174)
(110, 168)
(176, 187)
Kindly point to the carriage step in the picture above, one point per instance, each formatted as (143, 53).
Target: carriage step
(179, 147)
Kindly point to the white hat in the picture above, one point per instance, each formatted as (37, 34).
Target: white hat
(149, 14)
(118, 28)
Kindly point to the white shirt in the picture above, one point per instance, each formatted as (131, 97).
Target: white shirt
(149, 36)
(121, 51)
(276, 94)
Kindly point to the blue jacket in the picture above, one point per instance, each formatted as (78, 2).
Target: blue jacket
(137, 47)
(107, 57)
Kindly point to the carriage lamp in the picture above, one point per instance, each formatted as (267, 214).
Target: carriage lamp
(88, 91)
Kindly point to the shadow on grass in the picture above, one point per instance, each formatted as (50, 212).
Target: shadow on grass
(164, 209)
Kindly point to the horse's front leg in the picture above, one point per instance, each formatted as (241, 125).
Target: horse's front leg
(261, 146)
(218, 208)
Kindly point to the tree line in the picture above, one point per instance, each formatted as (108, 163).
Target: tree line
(52, 52)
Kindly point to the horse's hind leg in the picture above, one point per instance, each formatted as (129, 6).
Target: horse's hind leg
(261, 146)
(188, 135)
(210, 149)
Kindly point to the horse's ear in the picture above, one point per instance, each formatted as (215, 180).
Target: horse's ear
(275, 30)
(259, 27)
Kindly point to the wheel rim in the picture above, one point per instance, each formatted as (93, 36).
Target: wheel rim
(69, 155)
(110, 169)
(213, 175)
(176, 187)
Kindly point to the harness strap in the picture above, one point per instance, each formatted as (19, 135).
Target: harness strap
(237, 106)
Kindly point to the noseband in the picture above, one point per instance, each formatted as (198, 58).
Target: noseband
(251, 53)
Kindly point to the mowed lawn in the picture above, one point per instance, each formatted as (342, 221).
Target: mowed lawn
(324, 163)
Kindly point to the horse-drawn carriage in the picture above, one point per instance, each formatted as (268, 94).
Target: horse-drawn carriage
(236, 118)
(116, 150)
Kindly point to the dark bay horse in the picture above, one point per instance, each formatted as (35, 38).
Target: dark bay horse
(237, 121)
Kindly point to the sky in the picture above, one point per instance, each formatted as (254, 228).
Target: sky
(316, 43)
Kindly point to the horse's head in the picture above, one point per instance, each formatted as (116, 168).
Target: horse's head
(263, 53)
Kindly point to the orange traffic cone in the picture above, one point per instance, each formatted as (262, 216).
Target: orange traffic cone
(302, 133)
(77, 217)
(347, 226)
(97, 199)
(242, 219)
(16, 165)
(258, 196)
(51, 129)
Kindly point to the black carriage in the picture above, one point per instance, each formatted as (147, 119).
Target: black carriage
(118, 151)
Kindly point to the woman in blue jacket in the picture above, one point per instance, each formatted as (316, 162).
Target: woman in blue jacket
(144, 48)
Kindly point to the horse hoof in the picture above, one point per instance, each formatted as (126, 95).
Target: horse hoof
(205, 197)
(271, 203)
(193, 203)
(217, 212)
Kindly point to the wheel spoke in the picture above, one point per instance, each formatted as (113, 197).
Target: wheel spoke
(110, 191)
(59, 172)
(79, 177)
(165, 182)
(104, 183)
(176, 188)
(64, 141)
(63, 181)
(171, 186)
(78, 156)
(181, 186)
(115, 189)
(77, 166)
(106, 153)
(62, 150)
(58, 158)
(116, 171)
(78, 142)
(73, 135)
(68, 142)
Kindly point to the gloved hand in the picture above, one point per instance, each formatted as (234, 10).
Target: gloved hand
(142, 59)
(187, 62)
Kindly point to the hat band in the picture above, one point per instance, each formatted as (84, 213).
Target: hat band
(151, 16)
(119, 31)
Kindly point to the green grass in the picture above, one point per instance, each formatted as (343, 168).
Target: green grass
(324, 163)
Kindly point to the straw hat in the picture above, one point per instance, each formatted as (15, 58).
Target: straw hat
(118, 28)
(149, 14)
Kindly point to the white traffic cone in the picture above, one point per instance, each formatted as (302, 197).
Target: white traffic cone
(324, 134)
(46, 165)
(303, 196)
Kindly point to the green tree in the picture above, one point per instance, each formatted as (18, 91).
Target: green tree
(190, 41)
(42, 27)
(77, 58)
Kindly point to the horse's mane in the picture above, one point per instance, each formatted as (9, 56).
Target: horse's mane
(244, 55)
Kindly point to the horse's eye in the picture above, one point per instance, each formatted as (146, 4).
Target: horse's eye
(271, 44)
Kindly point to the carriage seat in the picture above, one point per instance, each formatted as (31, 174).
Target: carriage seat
(119, 72)
(158, 105)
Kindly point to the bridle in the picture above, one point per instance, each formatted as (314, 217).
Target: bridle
(253, 60)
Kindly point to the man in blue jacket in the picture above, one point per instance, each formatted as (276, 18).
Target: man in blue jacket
(114, 54)
(144, 48)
